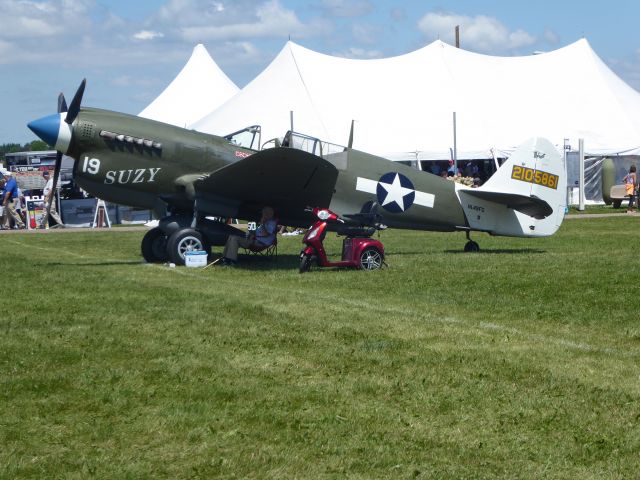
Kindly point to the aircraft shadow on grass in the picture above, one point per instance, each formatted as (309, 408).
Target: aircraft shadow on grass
(504, 251)
(259, 262)
(106, 263)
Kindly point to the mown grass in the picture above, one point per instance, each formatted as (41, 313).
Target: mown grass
(608, 209)
(517, 362)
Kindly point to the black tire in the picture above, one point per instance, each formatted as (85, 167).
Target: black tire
(305, 263)
(154, 246)
(617, 203)
(471, 246)
(371, 259)
(182, 241)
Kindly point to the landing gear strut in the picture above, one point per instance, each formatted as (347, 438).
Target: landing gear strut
(471, 246)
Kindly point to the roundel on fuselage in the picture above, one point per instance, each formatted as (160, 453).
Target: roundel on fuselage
(395, 192)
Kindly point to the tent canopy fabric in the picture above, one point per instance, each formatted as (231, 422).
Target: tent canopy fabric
(403, 106)
(199, 88)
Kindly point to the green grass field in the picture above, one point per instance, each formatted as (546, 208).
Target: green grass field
(521, 361)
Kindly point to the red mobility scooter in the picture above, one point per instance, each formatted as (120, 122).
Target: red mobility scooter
(359, 250)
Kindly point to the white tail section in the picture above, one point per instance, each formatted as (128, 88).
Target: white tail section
(525, 197)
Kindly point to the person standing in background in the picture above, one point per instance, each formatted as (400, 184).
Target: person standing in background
(8, 202)
(48, 196)
(630, 183)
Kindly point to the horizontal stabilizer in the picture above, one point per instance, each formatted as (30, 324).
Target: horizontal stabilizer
(532, 206)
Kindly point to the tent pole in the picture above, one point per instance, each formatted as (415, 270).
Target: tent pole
(581, 153)
(291, 119)
(569, 198)
(455, 147)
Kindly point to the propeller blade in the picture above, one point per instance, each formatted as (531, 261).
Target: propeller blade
(62, 103)
(56, 174)
(74, 107)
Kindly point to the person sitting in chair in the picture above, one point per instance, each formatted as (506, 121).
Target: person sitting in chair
(263, 237)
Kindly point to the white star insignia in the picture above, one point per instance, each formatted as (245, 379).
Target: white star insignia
(395, 192)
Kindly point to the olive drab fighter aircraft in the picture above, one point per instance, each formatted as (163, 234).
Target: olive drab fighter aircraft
(193, 181)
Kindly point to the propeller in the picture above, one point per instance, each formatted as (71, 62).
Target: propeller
(72, 113)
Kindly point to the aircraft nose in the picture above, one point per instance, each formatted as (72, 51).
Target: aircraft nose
(53, 130)
(46, 128)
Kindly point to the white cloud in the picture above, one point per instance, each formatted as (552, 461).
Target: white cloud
(147, 35)
(347, 8)
(480, 33)
(398, 14)
(628, 69)
(359, 53)
(551, 37)
(5, 47)
(368, 34)
(20, 19)
(129, 81)
(270, 19)
(238, 53)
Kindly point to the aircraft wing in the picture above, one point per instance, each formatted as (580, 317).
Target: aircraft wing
(286, 179)
(529, 205)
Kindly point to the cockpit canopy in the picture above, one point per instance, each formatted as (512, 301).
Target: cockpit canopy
(250, 137)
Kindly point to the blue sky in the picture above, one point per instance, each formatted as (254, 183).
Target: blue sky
(130, 50)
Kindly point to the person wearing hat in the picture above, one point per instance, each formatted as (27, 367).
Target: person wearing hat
(8, 202)
(48, 196)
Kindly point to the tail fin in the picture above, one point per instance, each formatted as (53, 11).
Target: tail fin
(525, 197)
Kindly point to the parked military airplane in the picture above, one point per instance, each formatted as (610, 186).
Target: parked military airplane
(188, 177)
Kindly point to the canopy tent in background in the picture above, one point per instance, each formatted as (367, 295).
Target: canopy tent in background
(199, 88)
(403, 106)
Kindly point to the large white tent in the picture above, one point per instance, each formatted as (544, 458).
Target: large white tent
(403, 106)
(199, 88)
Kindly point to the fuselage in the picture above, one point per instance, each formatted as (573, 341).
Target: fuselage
(139, 162)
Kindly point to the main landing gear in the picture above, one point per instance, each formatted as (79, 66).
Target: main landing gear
(154, 246)
(173, 238)
(471, 246)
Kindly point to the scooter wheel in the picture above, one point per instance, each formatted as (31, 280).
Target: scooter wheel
(305, 263)
(370, 259)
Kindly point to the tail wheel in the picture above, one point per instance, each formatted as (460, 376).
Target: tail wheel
(471, 246)
(154, 246)
(371, 259)
(305, 262)
(183, 241)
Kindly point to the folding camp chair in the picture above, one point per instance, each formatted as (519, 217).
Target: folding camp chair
(265, 250)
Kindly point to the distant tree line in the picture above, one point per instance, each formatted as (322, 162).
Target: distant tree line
(34, 146)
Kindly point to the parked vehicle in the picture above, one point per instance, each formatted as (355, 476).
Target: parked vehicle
(359, 250)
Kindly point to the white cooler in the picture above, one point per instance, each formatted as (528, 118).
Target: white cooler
(196, 258)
